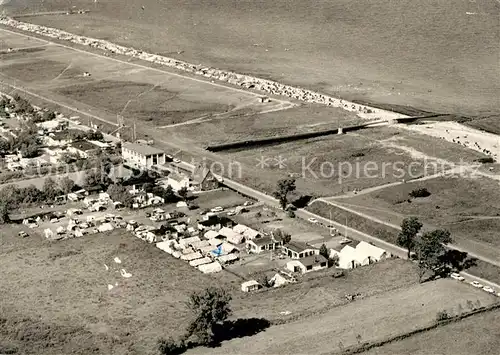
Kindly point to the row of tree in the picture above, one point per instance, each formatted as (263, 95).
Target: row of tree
(430, 249)
(12, 197)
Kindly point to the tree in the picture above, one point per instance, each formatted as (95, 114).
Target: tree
(284, 187)
(431, 251)
(66, 185)
(409, 229)
(4, 146)
(93, 178)
(210, 307)
(183, 193)
(422, 192)
(148, 187)
(323, 250)
(50, 189)
(120, 193)
(284, 236)
(4, 212)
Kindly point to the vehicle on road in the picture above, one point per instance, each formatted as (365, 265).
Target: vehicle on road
(488, 289)
(217, 209)
(248, 203)
(476, 284)
(345, 240)
(313, 220)
(177, 160)
(231, 213)
(456, 276)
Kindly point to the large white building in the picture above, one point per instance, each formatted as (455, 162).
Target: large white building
(142, 156)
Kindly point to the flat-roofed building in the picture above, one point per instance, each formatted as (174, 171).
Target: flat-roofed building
(142, 156)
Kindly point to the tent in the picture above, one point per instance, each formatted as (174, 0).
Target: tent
(192, 256)
(106, 227)
(166, 246)
(185, 242)
(210, 268)
(348, 258)
(240, 228)
(48, 233)
(368, 253)
(202, 261)
(278, 280)
(211, 234)
(200, 244)
(225, 259)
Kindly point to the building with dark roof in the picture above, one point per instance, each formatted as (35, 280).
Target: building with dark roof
(308, 264)
(299, 250)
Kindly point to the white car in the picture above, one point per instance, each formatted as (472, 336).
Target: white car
(476, 284)
(456, 276)
(313, 220)
(488, 289)
(231, 213)
(177, 160)
(217, 209)
(345, 240)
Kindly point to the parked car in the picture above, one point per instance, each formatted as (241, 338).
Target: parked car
(345, 240)
(476, 284)
(177, 160)
(217, 209)
(456, 276)
(313, 220)
(489, 289)
(248, 203)
(231, 213)
(23, 234)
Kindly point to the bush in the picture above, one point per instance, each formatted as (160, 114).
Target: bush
(442, 315)
(487, 160)
(171, 346)
(423, 192)
(290, 214)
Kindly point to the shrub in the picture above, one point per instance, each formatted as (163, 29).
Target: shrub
(422, 192)
(442, 315)
(290, 214)
(486, 160)
(171, 346)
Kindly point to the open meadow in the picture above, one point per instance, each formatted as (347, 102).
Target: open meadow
(302, 119)
(369, 319)
(422, 54)
(138, 93)
(331, 165)
(468, 207)
(56, 296)
(482, 337)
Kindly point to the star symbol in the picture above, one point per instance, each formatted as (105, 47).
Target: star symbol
(280, 162)
(263, 162)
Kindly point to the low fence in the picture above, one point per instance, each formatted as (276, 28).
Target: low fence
(252, 143)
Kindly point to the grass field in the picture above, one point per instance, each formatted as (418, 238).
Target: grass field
(481, 338)
(334, 164)
(354, 221)
(373, 318)
(115, 88)
(428, 57)
(56, 291)
(467, 206)
(307, 118)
